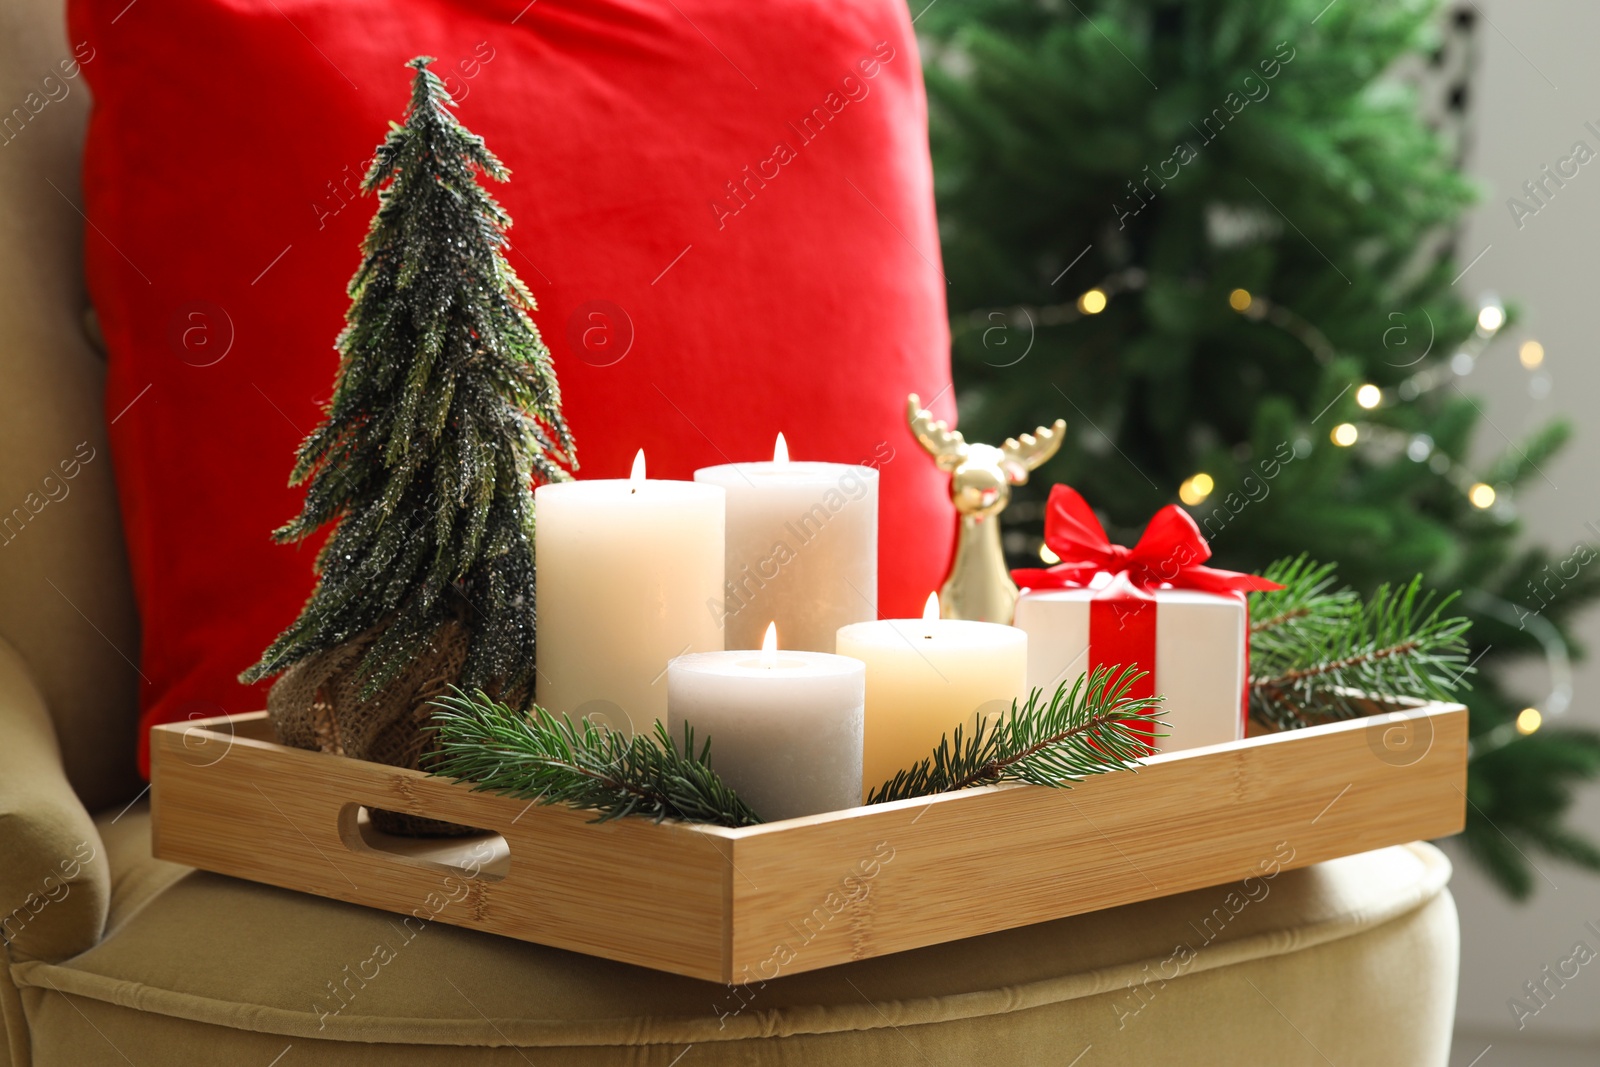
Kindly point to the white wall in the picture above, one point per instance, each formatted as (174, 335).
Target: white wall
(1538, 84)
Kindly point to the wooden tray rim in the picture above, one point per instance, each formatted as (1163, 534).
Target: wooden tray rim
(1401, 710)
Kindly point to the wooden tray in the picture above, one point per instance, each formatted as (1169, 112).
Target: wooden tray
(738, 905)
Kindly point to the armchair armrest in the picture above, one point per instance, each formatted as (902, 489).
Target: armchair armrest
(55, 882)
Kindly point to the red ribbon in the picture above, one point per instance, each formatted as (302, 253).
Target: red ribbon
(1122, 616)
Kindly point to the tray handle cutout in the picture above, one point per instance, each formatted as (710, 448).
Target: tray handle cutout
(484, 856)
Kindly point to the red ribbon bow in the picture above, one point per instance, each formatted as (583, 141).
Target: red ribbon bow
(1170, 552)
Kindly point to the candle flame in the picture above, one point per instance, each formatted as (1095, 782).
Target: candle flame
(637, 475)
(930, 610)
(769, 646)
(780, 450)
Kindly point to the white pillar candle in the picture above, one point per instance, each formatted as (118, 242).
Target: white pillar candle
(927, 676)
(802, 549)
(785, 727)
(625, 567)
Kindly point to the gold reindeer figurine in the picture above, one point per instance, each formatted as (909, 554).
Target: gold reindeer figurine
(981, 476)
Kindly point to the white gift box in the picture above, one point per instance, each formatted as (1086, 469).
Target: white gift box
(1199, 657)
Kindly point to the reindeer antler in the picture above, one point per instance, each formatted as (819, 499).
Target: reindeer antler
(1031, 450)
(947, 447)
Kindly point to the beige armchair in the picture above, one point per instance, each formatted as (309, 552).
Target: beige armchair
(112, 957)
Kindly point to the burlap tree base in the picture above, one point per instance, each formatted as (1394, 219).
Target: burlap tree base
(317, 704)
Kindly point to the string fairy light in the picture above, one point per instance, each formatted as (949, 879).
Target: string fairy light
(1091, 302)
(1420, 448)
(1491, 316)
(1557, 662)
(1196, 488)
(1490, 319)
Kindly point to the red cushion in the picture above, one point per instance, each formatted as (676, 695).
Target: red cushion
(738, 195)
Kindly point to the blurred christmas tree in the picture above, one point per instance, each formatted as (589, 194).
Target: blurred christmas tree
(1218, 239)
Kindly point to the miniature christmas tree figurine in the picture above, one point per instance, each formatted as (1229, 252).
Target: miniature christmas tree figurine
(445, 409)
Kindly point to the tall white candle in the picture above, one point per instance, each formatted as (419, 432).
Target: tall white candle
(925, 677)
(785, 727)
(625, 567)
(802, 549)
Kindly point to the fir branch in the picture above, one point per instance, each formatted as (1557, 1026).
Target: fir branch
(1304, 674)
(1281, 619)
(1308, 602)
(1091, 727)
(1332, 652)
(537, 756)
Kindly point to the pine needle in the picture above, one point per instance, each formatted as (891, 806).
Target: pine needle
(1317, 654)
(1308, 603)
(537, 756)
(1090, 728)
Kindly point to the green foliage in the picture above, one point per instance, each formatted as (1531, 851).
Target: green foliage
(1321, 192)
(536, 756)
(1314, 648)
(1517, 800)
(1308, 606)
(445, 407)
(1084, 729)
(1091, 728)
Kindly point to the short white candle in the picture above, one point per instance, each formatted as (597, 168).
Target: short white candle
(785, 727)
(625, 567)
(802, 549)
(927, 676)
